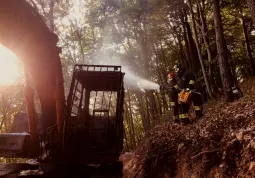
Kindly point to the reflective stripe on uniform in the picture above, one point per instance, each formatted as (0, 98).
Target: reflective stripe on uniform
(198, 108)
(172, 103)
(169, 79)
(191, 82)
(184, 116)
(176, 69)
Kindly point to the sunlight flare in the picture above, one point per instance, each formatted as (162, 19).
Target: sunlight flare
(10, 67)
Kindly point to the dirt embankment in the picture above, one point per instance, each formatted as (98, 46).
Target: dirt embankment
(220, 145)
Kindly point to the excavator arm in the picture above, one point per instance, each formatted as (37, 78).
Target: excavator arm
(23, 31)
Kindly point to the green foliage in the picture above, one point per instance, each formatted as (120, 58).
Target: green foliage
(148, 37)
(11, 103)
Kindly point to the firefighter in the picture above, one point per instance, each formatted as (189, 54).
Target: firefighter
(187, 82)
(174, 90)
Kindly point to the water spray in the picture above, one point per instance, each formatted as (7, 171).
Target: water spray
(131, 80)
(146, 84)
(135, 82)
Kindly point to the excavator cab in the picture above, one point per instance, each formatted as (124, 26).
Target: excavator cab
(93, 125)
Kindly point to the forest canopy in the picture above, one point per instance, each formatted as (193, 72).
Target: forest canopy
(214, 39)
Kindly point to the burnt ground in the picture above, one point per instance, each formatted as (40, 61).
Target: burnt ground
(12, 170)
(21, 170)
(220, 145)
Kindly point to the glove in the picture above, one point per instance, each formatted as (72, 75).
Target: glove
(187, 89)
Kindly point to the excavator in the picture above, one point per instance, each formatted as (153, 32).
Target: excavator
(80, 135)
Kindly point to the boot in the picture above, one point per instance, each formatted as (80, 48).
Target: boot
(199, 114)
(185, 121)
(177, 121)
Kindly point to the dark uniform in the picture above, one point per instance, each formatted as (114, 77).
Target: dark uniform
(187, 82)
(174, 90)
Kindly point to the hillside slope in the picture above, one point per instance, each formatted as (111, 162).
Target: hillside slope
(219, 145)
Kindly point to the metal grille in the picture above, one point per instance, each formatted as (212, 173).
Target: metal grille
(97, 68)
(77, 99)
(103, 103)
(91, 115)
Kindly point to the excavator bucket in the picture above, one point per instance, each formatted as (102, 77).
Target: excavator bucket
(14, 145)
(17, 144)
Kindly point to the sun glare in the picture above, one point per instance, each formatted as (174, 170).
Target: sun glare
(10, 67)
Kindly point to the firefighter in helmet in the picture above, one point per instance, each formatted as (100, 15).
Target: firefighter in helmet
(174, 90)
(187, 82)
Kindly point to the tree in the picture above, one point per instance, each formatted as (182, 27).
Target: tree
(225, 71)
(204, 31)
(51, 15)
(247, 41)
(208, 87)
(149, 37)
(251, 4)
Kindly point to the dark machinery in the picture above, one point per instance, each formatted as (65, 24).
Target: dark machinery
(92, 131)
(94, 112)
(86, 128)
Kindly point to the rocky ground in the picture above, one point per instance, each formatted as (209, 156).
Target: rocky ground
(220, 145)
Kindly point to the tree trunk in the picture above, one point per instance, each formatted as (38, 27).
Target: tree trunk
(160, 108)
(199, 52)
(188, 53)
(198, 21)
(143, 42)
(192, 46)
(162, 73)
(232, 69)
(51, 15)
(131, 119)
(225, 71)
(181, 52)
(127, 118)
(148, 112)
(125, 138)
(165, 72)
(142, 112)
(247, 43)
(207, 45)
(251, 4)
